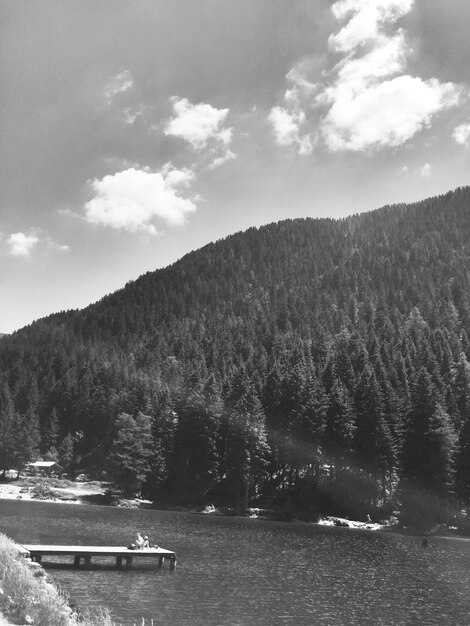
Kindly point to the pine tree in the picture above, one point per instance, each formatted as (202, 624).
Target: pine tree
(461, 404)
(7, 429)
(339, 428)
(26, 439)
(246, 448)
(130, 453)
(374, 442)
(428, 453)
(275, 420)
(164, 426)
(65, 451)
(460, 390)
(194, 463)
(50, 432)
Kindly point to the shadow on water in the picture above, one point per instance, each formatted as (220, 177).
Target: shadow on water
(237, 571)
(109, 566)
(96, 498)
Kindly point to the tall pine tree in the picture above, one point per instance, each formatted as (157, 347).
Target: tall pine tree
(428, 455)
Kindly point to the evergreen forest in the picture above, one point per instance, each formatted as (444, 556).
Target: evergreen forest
(311, 366)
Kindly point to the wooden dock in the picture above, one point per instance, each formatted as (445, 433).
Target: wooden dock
(85, 553)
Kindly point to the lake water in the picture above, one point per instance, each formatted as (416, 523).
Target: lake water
(237, 571)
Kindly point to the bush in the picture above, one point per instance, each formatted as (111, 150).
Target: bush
(26, 598)
(43, 492)
(48, 481)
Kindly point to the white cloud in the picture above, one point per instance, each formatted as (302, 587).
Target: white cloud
(290, 121)
(287, 128)
(220, 160)
(21, 244)
(131, 114)
(388, 113)
(368, 17)
(461, 134)
(201, 125)
(133, 199)
(426, 170)
(119, 83)
(365, 100)
(386, 58)
(195, 123)
(58, 246)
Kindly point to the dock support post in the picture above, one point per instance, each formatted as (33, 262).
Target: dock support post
(87, 559)
(173, 562)
(160, 561)
(128, 561)
(76, 561)
(118, 562)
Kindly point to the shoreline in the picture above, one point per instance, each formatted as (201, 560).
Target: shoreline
(78, 493)
(93, 493)
(83, 493)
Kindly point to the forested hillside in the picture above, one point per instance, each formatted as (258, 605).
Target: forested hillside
(321, 365)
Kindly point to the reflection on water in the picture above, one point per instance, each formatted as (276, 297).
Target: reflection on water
(235, 571)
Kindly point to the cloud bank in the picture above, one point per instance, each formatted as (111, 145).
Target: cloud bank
(133, 199)
(365, 100)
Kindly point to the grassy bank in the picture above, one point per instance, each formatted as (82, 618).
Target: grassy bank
(28, 597)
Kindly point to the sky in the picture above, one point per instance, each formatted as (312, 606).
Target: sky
(135, 132)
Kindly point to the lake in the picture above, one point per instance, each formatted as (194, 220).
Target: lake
(237, 571)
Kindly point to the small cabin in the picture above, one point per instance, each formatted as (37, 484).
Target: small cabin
(44, 468)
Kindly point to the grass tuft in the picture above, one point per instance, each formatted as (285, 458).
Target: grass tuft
(29, 598)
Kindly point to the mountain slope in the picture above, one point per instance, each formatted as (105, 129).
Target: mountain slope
(304, 312)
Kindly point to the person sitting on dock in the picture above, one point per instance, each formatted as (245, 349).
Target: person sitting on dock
(146, 542)
(139, 542)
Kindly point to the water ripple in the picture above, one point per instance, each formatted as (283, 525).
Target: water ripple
(235, 571)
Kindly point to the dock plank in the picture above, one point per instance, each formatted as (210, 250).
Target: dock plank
(97, 550)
